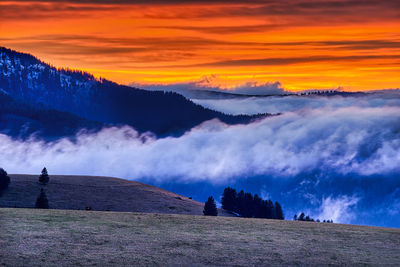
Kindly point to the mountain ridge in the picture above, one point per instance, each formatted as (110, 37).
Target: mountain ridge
(32, 82)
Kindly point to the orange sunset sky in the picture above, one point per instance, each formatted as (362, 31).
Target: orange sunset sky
(302, 44)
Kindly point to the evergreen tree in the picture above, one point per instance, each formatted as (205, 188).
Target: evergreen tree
(240, 203)
(302, 217)
(257, 201)
(229, 198)
(248, 206)
(210, 208)
(42, 202)
(295, 217)
(264, 209)
(4, 179)
(44, 177)
(279, 212)
(270, 210)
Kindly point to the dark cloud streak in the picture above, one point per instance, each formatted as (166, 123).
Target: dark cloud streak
(63, 44)
(287, 61)
(331, 10)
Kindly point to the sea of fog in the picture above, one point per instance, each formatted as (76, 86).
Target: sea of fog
(331, 157)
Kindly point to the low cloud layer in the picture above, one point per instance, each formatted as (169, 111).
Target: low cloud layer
(328, 138)
(351, 139)
(279, 104)
(216, 84)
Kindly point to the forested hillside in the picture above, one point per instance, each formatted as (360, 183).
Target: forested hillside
(34, 83)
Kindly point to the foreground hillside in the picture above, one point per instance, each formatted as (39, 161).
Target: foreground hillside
(99, 193)
(31, 237)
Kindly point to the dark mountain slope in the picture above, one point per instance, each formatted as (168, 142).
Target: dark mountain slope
(21, 121)
(29, 80)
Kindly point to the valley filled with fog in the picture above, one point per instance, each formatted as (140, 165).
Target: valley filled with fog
(334, 157)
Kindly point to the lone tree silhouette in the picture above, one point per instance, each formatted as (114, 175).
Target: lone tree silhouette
(42, 202)
(210, 209)
(44, 177)
(4, 179)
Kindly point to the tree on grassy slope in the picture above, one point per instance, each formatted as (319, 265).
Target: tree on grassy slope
(240, 208)
(229, 199)
(44, 177)
(271, 214)
(210, 208)
(279, 212)
(4, 179)
(42, 202)
(248, 210)
(258, 209)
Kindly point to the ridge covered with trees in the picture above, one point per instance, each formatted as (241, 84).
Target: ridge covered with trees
(21, 120)
(34, 83)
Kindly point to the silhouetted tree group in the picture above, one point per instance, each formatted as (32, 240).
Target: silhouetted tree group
(247, 205)
(306, 218)
(210, 208)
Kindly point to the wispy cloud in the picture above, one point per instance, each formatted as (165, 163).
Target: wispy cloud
(276, 61)
(339, 8)
(339, 209)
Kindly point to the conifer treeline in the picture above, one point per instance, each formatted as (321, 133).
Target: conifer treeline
(306, 218)
(249, 206)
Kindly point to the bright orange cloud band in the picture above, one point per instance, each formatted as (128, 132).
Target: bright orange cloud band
(303, 44)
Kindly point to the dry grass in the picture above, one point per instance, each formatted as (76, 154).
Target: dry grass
(100, 193)
(30, 237)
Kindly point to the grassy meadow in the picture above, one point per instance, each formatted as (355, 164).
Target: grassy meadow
(31, 237)
(76, 192)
